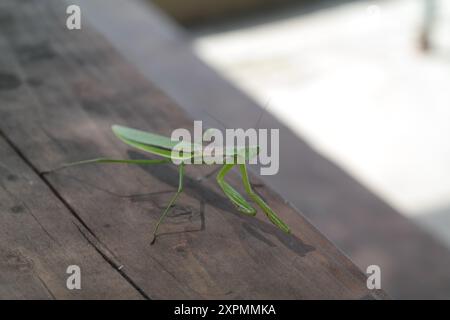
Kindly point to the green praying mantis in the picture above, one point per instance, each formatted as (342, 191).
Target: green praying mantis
(163, 147)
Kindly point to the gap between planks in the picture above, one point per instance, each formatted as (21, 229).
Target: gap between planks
(87, 233)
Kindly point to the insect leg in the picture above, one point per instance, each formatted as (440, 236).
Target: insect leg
(171, 202)
(267, 210)
(105, 160)
(234, 196)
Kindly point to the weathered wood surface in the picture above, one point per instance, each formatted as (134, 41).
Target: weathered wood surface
(60, 91)
(40, 238)
(414, 264)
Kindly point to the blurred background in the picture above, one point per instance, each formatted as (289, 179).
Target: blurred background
(351, 79)
(360, 90)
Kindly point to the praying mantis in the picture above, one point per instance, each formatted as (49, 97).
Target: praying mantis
(163, 147)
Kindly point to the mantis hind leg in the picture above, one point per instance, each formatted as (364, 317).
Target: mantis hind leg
(106, 160)
(267, 210)
(171, 202)
(234, 196)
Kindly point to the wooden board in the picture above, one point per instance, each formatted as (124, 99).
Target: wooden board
(61, 91)
(414, 264)
(40, 239)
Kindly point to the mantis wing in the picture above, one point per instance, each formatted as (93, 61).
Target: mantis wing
(154, 143)
(158, 151)
(148, 138)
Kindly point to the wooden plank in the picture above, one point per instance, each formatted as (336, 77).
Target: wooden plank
(358, 222)
(40, 238)
(65, 89)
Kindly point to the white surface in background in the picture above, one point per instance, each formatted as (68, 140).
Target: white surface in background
(352, 82)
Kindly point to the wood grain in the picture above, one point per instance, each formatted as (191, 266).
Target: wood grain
(65, 90)
(40, 238)
(354, 218)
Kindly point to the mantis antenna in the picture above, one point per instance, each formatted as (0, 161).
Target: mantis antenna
(266, 106)
(260, 117)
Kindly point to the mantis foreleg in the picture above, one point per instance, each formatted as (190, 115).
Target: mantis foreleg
(267, 210)
(172, 201)
(239, 201)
